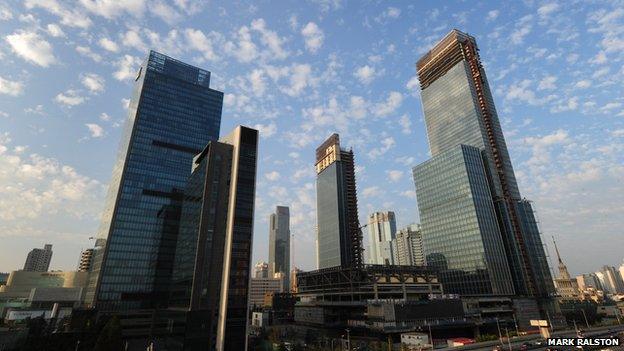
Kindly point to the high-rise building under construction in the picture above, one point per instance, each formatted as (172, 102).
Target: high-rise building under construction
(339, 237)
(476, 227)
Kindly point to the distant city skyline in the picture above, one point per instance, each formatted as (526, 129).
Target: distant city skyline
(299, 75)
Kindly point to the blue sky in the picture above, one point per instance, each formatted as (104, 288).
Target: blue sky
(298, 71)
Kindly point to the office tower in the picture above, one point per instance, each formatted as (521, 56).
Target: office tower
(477, 206)
(459, 224)
(567, 288)
(409, 246)
(261, 270)
(212, 265)
(259, 287)
(38, 260)
(173, 114)
(589, 280)
(339, 237)
(610, 280)
(293, 279)
(381, 232)
(279, 242)
(621, 270)
(86, 258)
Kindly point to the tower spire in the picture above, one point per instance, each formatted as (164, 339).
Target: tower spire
(557, 250)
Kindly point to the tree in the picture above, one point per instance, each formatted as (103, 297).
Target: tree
(110, 337)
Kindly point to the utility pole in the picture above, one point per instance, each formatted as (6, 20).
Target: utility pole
(516, 324)
(348, 339)
(508, 338)
(585, 316)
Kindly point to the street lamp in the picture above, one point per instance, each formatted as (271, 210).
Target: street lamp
(585, 316)
(348, 339)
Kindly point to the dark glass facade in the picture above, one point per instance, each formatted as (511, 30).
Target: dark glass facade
(459, 110)
(173, 114)
(339, 238)
(457, 215)
(279, 243)
(212, 263)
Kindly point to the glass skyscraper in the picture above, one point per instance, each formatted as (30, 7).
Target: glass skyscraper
(339, 237)
(459, 112)
(279, 243)
(211, 273)
(381, 232)
(173, 114)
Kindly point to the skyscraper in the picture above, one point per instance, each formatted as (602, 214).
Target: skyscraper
(381, 232)
(212, 267)
(38, 260)
(261, 270)
(173, 114)
(279, 242)
(86, 258)
(477, 207)
(409, 246)
(339, 237)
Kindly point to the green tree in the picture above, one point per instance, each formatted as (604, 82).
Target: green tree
(110, 337)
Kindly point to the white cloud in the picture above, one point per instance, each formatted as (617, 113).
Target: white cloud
(300, 78)
(54, 30)
(389, 13)
(113, 8)
(10, 87)
(127, 67)
(406, 124)
(365, 74)
(165, 12)
(108, 45)
(266, 130)
(93, 82)
(394, 175)
(95, 130)
(386, 144)
(387, 107)
(407, 161)
(570, 104)
(520, 92)
(413, 85)
(5, 13)
(86, 51)
(244, 50)
(270, 39)
(70, 98)
(195, 39)
(371, 191)
(522, 29)
(70, 18)
(272, 176)
(492, 15)
(256, 79)
(132, 38)
(583, 84)
(35, 110)
(105, 117)
(31, 47)
(541, 145)
(545, 10)
(547, 83)
(410, 194)
(313, 37)
(35, 187)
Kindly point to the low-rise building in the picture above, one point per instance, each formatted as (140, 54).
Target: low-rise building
(259, 287)
(38, 291)
(415, 341)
